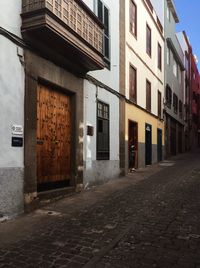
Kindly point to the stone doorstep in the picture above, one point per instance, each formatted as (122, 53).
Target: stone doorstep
(48, 197)
(51, 196)
(45, 198)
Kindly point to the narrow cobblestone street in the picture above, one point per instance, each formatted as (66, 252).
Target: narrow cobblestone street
(151, 218)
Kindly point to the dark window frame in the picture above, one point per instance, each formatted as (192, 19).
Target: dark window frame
(169, 13)
(168, 56)
(134, 33)
(159, 104)
(148, 42)
(168, 96)
(103, 120)
(180, 104)
(175, 103)
(148, 95)
(150, 5)
(132, 98)
(159, 57)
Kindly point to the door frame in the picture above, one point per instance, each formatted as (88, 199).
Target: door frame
(173, 137)
(159, 149)
(71, 182)
(135, 144)
(39, 69)
(180, 139)
(148, 161)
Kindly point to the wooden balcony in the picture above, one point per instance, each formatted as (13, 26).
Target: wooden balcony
(66, 31)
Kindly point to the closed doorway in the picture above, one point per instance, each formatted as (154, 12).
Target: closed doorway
(159, 144)
(148, 144)
(53, 139)
(173, 138)
(180, 140)
(133, 145)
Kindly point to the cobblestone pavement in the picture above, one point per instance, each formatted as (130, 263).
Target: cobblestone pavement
(148, 219)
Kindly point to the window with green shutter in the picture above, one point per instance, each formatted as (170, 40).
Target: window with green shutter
(103, 146)
(103, 14)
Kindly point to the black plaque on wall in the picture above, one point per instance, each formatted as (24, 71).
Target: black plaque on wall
(17, 141)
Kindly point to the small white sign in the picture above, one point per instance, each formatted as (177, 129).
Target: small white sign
(148, 128)
(17, 130)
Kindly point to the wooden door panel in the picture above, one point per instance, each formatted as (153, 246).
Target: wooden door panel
(53, 135)
(159, 145)
(133, 145)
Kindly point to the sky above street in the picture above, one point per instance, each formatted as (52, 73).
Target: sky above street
(189, 15)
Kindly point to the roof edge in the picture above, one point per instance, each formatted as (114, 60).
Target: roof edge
(173, 10)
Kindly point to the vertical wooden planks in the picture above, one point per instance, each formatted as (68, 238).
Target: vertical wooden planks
(53, 135)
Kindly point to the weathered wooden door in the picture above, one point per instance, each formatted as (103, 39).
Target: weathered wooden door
(53, 137)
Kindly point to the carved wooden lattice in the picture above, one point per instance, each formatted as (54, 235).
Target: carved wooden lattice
(74, 16)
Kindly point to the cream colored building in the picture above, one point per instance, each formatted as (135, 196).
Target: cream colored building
(142, 84)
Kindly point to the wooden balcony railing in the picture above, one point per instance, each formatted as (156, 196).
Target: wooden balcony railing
(73, 15)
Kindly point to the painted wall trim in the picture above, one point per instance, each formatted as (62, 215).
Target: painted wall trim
(102, 85)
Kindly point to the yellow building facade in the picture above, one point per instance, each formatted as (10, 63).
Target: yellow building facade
(144, 123)
(142, 85)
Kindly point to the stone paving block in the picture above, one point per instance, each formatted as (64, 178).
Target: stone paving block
(151, 221)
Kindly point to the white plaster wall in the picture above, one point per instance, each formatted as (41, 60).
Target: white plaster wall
(11, 111)
(110, 77)
(147, 67)
(11, 85)
(10, 15)
(98, 170)
(91, 94)
(90, 4)
(11, 102)
(182, 41)
(159, 8)
(170, 31)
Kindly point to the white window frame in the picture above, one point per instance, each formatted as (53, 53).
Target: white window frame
(168, 13)
(168, 56)
(179, 75)
(175, 68)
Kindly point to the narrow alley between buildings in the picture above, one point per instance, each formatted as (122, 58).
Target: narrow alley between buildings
(148, 219)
